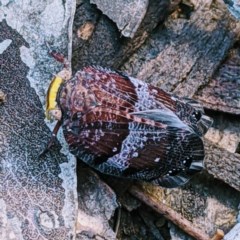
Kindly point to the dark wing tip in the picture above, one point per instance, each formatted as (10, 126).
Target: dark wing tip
(204, 123)
(172, 181)
(179, 179)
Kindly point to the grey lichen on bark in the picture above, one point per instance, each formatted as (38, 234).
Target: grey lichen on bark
(128, 15)
(38, 197)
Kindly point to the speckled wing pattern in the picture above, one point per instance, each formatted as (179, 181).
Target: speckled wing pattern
(124, 127)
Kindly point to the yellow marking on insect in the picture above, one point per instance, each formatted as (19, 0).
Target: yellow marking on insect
(51, 103)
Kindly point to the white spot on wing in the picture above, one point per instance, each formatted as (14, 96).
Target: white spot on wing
(135, 154)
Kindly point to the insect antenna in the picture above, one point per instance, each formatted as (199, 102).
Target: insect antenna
(58, 56)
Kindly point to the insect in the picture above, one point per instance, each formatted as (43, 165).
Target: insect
(124, 127)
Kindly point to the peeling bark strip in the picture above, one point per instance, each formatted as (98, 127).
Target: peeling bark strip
(37, 195)
(182, 57)
(127, 14)
(106, 47)
(156, 13)
(101, 46)
(31, 191)
(223, 91)
(223, 164)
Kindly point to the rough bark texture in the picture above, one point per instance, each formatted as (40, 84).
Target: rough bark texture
(225, 132)
(223, 165)
(194, 54)
(223, 91)
(37, 196)
(185, 58)
(169, 213)
(208, 203)
(96, 205)
(128, 15)
(34, 184)
(106, 46)
(182, 57)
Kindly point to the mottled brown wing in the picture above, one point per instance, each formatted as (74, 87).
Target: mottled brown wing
(169, 159)
(166, 154)
(118, 91)
(122, 126)
(188, 110)
(101, 131)
(112, 89)
(99, 136)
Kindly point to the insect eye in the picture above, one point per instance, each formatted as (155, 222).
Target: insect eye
(197, 115)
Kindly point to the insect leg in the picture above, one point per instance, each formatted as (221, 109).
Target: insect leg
(118, 220)
(52, 139)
